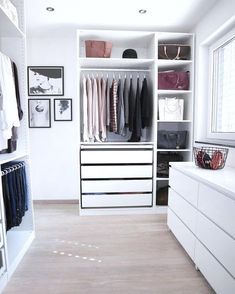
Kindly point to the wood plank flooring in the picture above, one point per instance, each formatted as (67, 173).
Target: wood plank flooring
(104, 255)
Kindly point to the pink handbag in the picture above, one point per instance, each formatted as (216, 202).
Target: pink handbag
(101, 49)
(173, 80)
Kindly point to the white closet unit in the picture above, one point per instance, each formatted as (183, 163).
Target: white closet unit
(118, 176)
(15, 242)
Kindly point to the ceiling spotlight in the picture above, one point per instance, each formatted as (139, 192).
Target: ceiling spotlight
(50, 9)
(142, 11)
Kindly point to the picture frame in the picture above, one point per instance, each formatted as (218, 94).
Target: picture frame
(45, 81)
(39, 113)
(63, 110)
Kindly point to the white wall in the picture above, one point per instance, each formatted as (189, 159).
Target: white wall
(223, 12)
(54, 151)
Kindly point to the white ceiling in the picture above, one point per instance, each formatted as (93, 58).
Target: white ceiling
(162, 15)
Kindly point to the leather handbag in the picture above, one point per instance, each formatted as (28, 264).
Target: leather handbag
(174, 51)
(172, 139)
(171, 108)
(173, 80)
(163, 160)
(98, 49)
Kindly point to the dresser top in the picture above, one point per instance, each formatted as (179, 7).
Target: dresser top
(222, 180)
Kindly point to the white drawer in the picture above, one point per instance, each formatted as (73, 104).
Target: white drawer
(116, 171)
(105, 186)
(184, 185)
(221, 245)
(2, 261)
(124, 200)
(185, 211)
(182, 233)
(218, 208)
(213, 271)
(116, 156)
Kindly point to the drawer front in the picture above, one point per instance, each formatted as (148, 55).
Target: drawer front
(218, 208)
(116, 171)
(184, 186)
(182, 233)
(186, 212)
(2, 261)
(221, 245)
(112, 186)
(124, 200)
(213, 271)
(116, 156)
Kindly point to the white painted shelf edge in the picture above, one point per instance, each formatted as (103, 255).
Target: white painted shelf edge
(165, 63)
(8, 26)
(174, 121)
(4, 158)
(173, 92)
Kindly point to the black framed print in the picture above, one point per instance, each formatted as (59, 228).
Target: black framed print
(63, 109)
(45, 80)
(39, 113)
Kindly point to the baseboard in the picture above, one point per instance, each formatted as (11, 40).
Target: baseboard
(56, 201)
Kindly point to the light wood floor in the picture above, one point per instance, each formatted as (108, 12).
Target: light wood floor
(104, 254)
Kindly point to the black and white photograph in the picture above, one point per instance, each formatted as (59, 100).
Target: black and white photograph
(39, 113)
(63, 109)
(45, 80)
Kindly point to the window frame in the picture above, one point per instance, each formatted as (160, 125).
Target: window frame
(219, 42)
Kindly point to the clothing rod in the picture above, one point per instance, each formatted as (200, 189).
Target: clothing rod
(116, 69)
(12, 168)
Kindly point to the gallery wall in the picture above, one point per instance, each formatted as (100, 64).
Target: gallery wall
(54, 151)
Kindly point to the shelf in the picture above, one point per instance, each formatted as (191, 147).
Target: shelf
(115, 63)
(174, 150)
(7, 27)
(162, 179)
(18, 243)
(4, 158)
(174, 92)
(174, 121)
(165, 63)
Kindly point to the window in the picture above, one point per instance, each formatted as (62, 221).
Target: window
(222, 117)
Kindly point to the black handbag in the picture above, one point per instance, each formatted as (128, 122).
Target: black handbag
(162, 196)
(163, 160)
(171, 139)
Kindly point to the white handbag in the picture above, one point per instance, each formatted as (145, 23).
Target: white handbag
(171, 109)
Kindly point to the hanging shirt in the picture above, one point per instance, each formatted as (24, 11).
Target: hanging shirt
(146, 105)
(126, 103)
(89, 109)
(131, 100)
(103, 109)
(85, 111)
(95, 115)
(107, 104)
(136, 132)
(120, 111)
(113, 107)
(98, 80)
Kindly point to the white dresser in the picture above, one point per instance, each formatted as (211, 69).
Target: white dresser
(201, 215)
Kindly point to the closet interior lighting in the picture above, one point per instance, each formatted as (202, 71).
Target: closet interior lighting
(142, 11)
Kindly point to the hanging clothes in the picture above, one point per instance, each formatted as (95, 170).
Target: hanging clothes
(89, 109)
(113, 107)
(9, 116)
(126, 103)
(103, 109)
(85, 111)
(131, 102)
(120, 111)
(95, 116)
(15, 193)
(136, 132)
(146, 105)
(107, 104)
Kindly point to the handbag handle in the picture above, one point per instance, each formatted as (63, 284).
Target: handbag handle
(177, 55)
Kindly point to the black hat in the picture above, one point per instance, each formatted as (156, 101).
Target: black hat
(129, 53)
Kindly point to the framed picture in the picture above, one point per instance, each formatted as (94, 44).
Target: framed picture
(45, 80)
(63, 109)
(39, 113)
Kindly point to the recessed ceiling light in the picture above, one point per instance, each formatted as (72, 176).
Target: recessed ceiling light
(142, 11)
(50, 9)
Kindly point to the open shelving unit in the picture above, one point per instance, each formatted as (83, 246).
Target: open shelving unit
(17, 240)
(148, 64)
